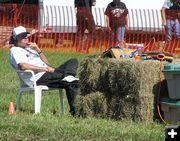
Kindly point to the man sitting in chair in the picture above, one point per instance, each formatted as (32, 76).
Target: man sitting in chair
(25, 55)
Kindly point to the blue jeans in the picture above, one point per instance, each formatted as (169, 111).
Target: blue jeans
(119, 36)
(172, 26)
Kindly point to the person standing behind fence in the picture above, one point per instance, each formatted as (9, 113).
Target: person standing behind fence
(171, 18)
(117, 20)
(85, 20)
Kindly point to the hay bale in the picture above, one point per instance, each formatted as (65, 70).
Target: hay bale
(131, 107)
(121, 77)
(133, 77)
(93, 104)
(97, 105)
(120, 108)
(130, 87)
(91, 73)
(144, 109)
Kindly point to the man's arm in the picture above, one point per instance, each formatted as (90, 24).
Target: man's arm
(107, 13)
(26, 66)
(126, 22)
(43, 58)
(39, 51)
(107, 21)
(163, 15)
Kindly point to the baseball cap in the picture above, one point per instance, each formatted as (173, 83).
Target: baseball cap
(18, 33)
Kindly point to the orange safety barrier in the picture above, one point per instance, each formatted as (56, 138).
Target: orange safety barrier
(54, 27)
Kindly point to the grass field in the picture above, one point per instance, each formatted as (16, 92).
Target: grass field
(50, 125)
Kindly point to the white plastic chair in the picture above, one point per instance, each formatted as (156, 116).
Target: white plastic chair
(23, 87)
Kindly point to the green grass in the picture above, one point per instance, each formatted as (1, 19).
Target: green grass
(50, 125)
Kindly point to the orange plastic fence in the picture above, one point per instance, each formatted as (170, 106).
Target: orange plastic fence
(54, 27)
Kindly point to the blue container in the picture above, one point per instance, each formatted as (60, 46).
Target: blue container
(172, 75)
(172, 68)
(171, 109)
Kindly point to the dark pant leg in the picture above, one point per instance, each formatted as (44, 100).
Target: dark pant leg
(71, 91)
(50, 79)
(53, 80)
(81, 19)
(90, 25)
(68, 68)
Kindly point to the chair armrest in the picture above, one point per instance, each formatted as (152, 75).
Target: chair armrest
(25, 71)
(30, 76)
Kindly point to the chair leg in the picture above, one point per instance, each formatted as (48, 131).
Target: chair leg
(61, 96)
(18, 101)
(37, 99)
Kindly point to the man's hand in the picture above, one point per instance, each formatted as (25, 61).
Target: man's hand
(126, 27)
(108, 28)
(163, 23)
(49, 69)
(34, 46)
